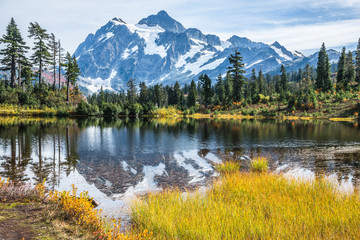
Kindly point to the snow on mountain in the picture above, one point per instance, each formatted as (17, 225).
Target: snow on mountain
(161, 50)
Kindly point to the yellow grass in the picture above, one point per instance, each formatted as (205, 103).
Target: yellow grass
(252, 206)
(169, 111)
(259, 164)
(342, 119)
(228, 167)
(14, 110)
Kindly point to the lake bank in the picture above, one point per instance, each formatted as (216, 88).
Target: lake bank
(335, 111)
(238, 205)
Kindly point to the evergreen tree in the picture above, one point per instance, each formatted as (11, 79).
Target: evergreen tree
(101, 98)
(220, 89)
(159, 95)
(254, 90)
(207, 92)
(14, 52)
(27, 77)
(131, 91)
(323, 80)
(191, 100)
(177, 93)
(260, 83)
(357, 63)
(41, 56)
(72, 73)
(284, 85)
(237, 73)
(228, 82)
(341, 78)
(53, 49)
(349, 71)
(144, 95)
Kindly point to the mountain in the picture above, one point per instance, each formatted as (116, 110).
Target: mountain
(159, 49)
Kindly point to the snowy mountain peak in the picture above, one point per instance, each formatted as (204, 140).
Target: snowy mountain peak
(160, 50)
(118, 20)
(277, 45)
(163, 20)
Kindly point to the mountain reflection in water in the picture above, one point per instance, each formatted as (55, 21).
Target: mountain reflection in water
(118, 158)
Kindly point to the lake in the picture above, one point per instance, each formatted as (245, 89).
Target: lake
(118, 159)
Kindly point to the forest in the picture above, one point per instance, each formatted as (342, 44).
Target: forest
(47, 81)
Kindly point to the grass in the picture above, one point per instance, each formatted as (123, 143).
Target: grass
(167, 111)
(228, 167)
(259, 164)
(249, 205)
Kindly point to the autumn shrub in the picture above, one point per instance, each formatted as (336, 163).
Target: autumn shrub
(79, 208)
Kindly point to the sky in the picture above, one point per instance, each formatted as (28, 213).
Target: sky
(301, 25)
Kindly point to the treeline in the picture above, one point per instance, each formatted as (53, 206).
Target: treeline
(26, 85)
(298, 90)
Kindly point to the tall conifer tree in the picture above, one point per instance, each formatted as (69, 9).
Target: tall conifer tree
(41, 56)
(237, 72)
(341, 78)
(206, 89)
(220, 89)
(72, 73)
(177, 93)
(323, 80)
(357, 63)
(349, 71)
(14, 52)
(260, 82)
(53, 50)
(191, 100)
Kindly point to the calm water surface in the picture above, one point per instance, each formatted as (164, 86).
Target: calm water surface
(117, 159)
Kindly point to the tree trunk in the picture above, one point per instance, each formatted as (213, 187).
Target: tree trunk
(59, 65)
(68, 90)
(40, 68)
(12, 73)
(19, 77)
(54, 75)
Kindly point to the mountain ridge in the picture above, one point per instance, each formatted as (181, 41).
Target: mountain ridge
(160, 49)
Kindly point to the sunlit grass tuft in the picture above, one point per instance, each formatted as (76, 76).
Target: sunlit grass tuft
(252, 206)
(167, 111)
(228, 167)
(259, 164)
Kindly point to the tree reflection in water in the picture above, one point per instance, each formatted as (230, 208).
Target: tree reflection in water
(123, 155)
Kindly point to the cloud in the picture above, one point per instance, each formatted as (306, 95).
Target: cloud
(309, 37)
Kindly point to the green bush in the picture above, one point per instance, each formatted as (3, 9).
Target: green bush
(84, 108)
(62, 112)
(186, 112)
(9, 96)
(111, 109)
